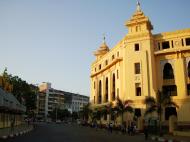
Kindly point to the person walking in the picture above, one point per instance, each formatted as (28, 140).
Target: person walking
(111, 127)
(12, 124)
(146, 132)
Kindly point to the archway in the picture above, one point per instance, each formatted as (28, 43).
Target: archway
(168, 71)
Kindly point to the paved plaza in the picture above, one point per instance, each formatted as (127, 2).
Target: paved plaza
(73, 133)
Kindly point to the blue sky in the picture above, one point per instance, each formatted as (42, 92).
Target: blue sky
(53, 40)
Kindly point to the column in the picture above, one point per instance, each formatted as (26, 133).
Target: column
(180, 77)
(110, 87)
(96, 92)
(103, 90)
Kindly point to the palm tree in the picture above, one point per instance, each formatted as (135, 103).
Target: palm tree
(109, 110)
(157, 105)
(86, 112)
(123, 106)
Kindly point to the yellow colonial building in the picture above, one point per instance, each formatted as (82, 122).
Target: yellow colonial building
(141, 64)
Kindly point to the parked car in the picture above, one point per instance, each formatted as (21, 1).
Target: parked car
(58, 121)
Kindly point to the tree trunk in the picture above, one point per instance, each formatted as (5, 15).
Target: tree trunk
(160, 122)
(122, 118)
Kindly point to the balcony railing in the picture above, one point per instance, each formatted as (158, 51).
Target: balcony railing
(168, 82)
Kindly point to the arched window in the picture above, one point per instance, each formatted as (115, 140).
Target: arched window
(113, 88)
(106, 95)
(168, 71)
(188, 69)
(100, 92)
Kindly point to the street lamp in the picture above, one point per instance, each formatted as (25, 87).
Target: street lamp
(55, 110)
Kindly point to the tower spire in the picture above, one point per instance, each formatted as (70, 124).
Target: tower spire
(138, 6)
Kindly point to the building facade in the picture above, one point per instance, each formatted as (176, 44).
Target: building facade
(74, 102)
(49, 99)
(141, 64)
(11, 110)
(78, 101)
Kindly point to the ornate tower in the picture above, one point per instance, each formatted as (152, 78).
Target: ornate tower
(139, 22)
(103, 49)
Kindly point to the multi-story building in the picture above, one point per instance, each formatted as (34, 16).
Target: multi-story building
(141, 64)
(74, 102)
(50, 98)
(78, 101)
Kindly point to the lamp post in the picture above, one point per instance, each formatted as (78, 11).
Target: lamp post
(55, 110)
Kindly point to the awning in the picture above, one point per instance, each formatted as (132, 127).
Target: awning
(8, 102)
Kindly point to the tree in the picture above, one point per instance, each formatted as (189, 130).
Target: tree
(157, 105)
(75, 115)
(86, 112)
(123, 106)
(61, 114)
(24, 92)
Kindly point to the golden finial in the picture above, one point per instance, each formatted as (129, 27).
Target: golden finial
(138, 6)
(104, 38)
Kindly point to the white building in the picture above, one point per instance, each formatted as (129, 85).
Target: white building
(50, 98)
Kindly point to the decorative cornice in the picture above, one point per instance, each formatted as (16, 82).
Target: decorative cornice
(172, 51)
(107, 67)
(173, 33)
(139, 35)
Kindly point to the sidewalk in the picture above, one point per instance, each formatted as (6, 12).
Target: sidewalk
(18, 130)
(170, 138)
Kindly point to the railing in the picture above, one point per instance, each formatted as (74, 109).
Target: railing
(168, 82)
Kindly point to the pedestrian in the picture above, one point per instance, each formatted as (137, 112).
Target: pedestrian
(96, 125)
(135, 129)
(12, 124)
(146, 132)
(129, 130)
(111, 127)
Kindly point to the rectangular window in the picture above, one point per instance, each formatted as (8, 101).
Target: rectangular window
(187, 41)
(165, 45)
(137, 68)
(118, 54)
(138, 89)
(188, 89)
(117, 74)
(113, 57)
(106, 62)
(100, 67)
(136, 47)
(182, 42)
(159, 45)
(172, 44)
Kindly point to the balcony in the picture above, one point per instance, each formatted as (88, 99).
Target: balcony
(100, 105)
(168, 82)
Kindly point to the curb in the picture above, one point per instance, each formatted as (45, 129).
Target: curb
(16, 134)
(161, 139)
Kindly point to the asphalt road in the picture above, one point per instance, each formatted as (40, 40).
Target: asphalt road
(73, 133)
